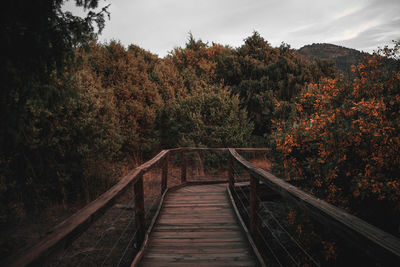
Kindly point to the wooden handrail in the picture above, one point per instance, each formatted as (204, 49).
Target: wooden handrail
(378, 243)
(383, 245)
(67, 231)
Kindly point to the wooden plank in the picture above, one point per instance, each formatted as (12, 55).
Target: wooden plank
(194, 242)
(198, 256)
(199, 205)
(363, 235)
(197, 229)
(196, 250)
(197, 263)
(195, 225)
(178, 217)
(203, 245)
(205, 197)
(190, 220)
(209, 193)
(199, 212)
(222, 228)
(194, 202)
(216, 202)
(196, 234)
(198, 196)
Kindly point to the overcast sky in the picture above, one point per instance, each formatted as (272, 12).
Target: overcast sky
(161, 25)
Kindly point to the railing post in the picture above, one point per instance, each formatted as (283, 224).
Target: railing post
(230, 172)
(164, 181)
(183, 167)
(254, 221)
(139, 210)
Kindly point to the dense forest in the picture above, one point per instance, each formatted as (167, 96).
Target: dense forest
(76, 112)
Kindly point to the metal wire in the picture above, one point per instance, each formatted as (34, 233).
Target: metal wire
(277, 240)
(270, 230)
(263, 238)
(268, 227)
(291, 237)
(269, 247)
(116, 243)
(127, 247)
(105, 232)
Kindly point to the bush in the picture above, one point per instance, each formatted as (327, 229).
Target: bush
(344, 138)
(208, 118)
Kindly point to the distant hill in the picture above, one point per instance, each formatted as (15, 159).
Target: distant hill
(343, 57)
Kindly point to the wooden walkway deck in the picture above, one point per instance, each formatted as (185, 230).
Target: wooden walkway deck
(197, 227)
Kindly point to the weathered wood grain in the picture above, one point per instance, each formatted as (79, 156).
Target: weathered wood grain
(197, 226)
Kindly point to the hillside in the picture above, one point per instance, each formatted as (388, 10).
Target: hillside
(343, 57)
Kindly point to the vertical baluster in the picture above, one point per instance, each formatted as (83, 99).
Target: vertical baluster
(139, 210)
(183, 167)
(164, 181)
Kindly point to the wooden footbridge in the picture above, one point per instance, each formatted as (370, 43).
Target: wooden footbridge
(220, 211)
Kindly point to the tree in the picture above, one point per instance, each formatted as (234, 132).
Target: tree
(263, 75)
(38, 41)
(344, 139)
(210, 117)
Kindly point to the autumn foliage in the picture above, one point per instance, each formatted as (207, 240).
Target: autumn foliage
(343, 139)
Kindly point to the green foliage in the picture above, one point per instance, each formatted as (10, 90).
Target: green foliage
(37, 61)
(262, 76)
(211, 117)
(125, 73)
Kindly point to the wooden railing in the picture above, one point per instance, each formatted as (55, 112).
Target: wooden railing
(67, 231)
(375, 242)
(385, 246)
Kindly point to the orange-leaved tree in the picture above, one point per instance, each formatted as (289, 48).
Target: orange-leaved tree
(344, 138)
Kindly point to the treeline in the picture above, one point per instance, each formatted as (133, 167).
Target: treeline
(112, 106)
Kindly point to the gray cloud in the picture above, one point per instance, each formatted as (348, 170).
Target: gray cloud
(161, 25)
